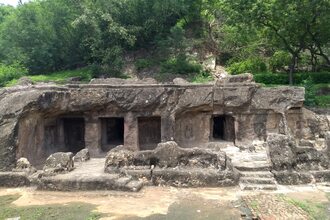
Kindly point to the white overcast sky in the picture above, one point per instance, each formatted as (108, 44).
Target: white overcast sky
(11, 2)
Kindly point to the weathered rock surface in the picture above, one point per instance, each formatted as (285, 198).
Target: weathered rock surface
(59, 162)
(172, 165)
(82, 156)
(294, 164)
(327, 143)
(315, 125)
(118, 81)
(281, 152)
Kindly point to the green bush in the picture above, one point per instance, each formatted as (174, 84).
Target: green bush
(180, 65)
(8, 73)
(272, 78)
(279, 60)
(141, 64)
(310, 92)
(299, 78)
(253, 65)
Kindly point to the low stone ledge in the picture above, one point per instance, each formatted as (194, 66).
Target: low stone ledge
(194, 177)
(292, 177)
(110, 182)
(11, 179)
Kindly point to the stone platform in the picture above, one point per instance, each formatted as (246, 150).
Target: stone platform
(89, 176)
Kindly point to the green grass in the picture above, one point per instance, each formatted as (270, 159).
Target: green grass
(58, 77)
(323, 101)
(316, 210)
(48, 212)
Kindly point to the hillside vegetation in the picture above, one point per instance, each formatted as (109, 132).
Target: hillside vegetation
(273, 39)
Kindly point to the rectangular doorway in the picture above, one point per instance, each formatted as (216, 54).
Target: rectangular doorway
(223, 128)
(74, 134)
(112, 133)
(149, 132)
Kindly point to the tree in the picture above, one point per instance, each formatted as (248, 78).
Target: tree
(286, 24)
(40, 36)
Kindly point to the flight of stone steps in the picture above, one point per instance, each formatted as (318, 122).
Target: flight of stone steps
(254, 168)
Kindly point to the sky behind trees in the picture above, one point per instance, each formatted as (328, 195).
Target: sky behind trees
(11, 2)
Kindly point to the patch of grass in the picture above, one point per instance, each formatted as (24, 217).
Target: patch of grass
(85, 74)
(254, 204)
(323, 101)
(8, 73)
(48, 212)
(317, 211)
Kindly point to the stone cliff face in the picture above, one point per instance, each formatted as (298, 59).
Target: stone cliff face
(36, 121)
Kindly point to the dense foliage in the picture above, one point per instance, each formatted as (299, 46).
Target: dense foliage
(44, 36)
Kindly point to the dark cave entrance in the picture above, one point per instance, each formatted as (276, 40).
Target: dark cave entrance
(223, 128)
(74, 134)
(149, 132)
(112, 133)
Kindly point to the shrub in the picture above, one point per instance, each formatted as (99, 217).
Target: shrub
(202, 77)
(8, 73)
(141, 64)
(272, 78)
(250, 65)
(180, 65)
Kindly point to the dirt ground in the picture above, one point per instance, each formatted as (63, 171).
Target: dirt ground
(178, 203)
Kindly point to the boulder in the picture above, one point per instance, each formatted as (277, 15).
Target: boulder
(180, 81)
(59, 162)
(118, 158)
(82, 156)
(241, 78)
(168, 154)
(23, 165)
(280, 151)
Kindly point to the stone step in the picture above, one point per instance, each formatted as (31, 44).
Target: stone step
(254, 180)
(252, 166)
(254, 174)
(258, 186)
(249, 158)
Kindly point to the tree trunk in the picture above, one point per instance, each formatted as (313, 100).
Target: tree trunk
(292, 69)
